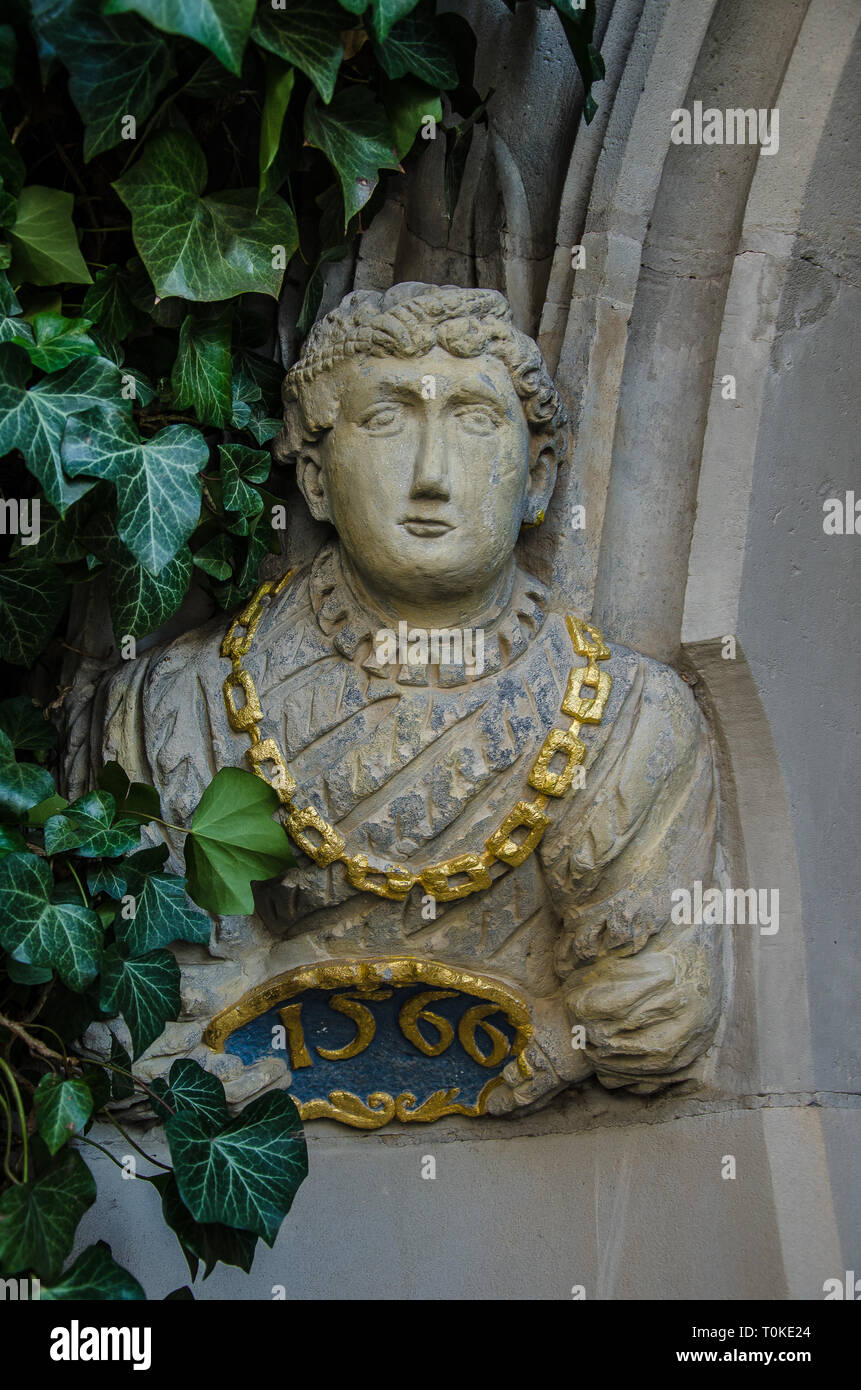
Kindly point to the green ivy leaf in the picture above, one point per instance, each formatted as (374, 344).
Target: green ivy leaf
(11, 325)
(94, 1276)
(67, 936)
(202, 370)
(385, 12)
(23, 974)
(208, 1241)
(108, 878)
(242, 467)
(407, 102)
(257, 378)
(234, 842)
(222, 26)
(135, 799)
(579, 26)
(62, 1109)
(25, 725)
(107, 303)
(355, 137)
(190, 1088)
(216, 557)
(162, 914)
(22, 785)
(157, 483)
(11, 841)
(413, 46)
(33, 420)
(306, 33)
(38, 1219)
(202, 248)
(144, 990)
(261, 538)
(44, 241)
(247, 1175)
(32, 599)
(116, 67)
(279, 87)
(92, 829)
(59, 538)
(142, 602)
(209, 82)
(55, 341)
(38, 815)
(97, 1079)
(122, 1086)
(262, 427)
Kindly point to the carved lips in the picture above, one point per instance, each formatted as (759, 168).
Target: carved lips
(426, 526)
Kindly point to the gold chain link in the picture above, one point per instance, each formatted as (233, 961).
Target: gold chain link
(321, 841)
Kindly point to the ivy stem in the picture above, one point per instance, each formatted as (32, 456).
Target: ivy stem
(109, 1066)
(169, 416)
(183, 829)
(62, 1056)
(13, 1084)
(51, 1056)
(82, 1139)
(33, 1043)
(154, 1161)
(8, 1113)
(68, 865)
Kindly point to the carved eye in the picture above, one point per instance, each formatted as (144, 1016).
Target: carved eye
(477, 419)
(383, 419)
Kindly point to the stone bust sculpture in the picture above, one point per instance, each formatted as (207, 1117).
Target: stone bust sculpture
(509, 828)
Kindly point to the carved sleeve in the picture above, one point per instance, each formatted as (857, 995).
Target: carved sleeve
(645, 990)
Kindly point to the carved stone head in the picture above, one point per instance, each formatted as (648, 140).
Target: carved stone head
(425, 427)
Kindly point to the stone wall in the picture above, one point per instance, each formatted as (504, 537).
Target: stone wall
(704, 520)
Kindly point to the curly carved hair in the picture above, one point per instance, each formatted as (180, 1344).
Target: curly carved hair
(409, 320)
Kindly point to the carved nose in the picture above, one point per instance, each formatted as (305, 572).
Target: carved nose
(430, 474)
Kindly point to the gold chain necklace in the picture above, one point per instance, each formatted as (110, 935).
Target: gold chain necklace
(395, 880)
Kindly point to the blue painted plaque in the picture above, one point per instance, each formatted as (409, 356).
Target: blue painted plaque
(380, 1039)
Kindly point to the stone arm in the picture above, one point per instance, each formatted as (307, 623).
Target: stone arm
(645, 990)
(641, 993)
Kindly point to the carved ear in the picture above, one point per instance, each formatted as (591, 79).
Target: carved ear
(542, 480)
(312, 484)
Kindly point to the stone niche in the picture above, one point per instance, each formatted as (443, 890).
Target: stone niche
(484, 928)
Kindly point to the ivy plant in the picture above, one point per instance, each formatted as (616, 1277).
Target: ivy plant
(168, 168)
(88, 916)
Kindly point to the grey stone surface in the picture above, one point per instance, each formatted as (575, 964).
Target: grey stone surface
(630, 1211)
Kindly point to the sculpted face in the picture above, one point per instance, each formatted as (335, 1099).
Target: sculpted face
(427, 474)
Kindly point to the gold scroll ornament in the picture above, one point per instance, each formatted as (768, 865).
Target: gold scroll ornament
(375, 978)
(322, 842)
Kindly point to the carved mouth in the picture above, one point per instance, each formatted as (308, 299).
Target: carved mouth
(426, 526)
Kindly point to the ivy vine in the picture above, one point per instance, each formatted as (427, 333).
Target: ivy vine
(166, 167)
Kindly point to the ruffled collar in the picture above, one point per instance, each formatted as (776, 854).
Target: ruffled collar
(353, 625)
